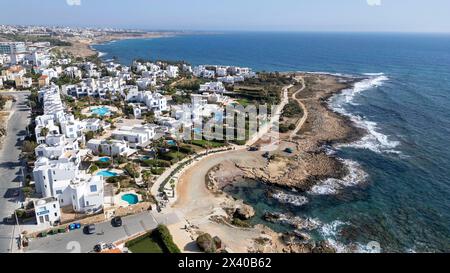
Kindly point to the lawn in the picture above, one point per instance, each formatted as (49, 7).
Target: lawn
(145, 244)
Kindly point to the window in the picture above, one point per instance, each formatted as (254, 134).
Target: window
(54, 206)
(59, 192)
(56, 214)
(94, 188)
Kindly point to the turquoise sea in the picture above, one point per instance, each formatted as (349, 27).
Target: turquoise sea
(398, 193)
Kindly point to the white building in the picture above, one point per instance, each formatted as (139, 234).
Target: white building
(95, 124)
(216, 87)
(172, 71)
(136, 136)
(47, 211)
(154, 101)
(109, 147)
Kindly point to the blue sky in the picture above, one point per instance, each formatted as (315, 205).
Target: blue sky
(246, 15)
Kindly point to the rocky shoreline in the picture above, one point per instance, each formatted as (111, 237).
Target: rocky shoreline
(308, 165)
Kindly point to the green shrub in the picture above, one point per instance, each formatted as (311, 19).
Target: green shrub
(132, 170)
(93, 168)
(157, 171)
(163, 233)
(156, 163)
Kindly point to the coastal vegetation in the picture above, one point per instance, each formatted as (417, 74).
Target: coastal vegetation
(158, 240)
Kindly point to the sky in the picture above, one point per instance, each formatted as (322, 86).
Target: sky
(235, 15)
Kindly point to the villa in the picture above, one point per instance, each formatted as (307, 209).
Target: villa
(47, 211)
(216, 87)
(110, 147)
(136, 136)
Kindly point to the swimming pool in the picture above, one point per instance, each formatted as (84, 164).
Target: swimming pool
(130, 198)
(171, 142)
(104, 160)
(101, 111)
(107, 173)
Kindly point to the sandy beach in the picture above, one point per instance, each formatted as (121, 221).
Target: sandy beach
(83, 47)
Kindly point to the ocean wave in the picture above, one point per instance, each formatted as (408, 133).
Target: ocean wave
(292, 199)
(330, 232)
(332, 186)
(374, 140)
(296, 222)
(101, 54)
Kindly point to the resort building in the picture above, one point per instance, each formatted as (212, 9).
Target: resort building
(47, 211)
(216, 87)
(110, 147)
(96, 125)
(172, 71)
(136, 136)
(154, 101)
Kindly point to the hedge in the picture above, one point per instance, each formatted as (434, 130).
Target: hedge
(164, 235)
(156, 162)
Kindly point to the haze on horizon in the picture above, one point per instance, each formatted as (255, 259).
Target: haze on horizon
(235, 15)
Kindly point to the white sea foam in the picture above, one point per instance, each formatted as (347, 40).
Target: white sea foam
(330, 186)
(330, 233)
(101, 54)
(374, 140)
(293, 199)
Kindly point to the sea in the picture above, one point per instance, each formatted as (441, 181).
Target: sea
(396, 197)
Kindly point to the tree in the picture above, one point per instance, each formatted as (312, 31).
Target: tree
(44, 131)
(28, 146)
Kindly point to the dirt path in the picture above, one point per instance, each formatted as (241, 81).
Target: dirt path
(302, 121)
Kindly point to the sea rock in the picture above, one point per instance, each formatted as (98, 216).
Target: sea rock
(244, 212)
(206, 243)
(217, 242)
(323, 247)
(294, 221)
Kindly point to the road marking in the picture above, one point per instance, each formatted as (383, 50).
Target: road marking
(127, 231)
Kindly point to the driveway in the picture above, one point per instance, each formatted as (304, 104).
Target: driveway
(10, 166)
(78, 242)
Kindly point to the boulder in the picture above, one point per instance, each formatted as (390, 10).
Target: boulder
(206, 243)
(217, 242)
(244, 212)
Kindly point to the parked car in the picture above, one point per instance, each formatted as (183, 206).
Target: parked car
(9, 220)
(253, 149)
(89, 229)
(116, 221)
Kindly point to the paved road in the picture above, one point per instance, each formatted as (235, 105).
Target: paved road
(10, 165)
(77, 241)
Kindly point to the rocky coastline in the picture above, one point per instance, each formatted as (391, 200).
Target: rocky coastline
(309, 164)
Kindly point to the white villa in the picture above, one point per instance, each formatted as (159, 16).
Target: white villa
(136, 136)
(110, 147)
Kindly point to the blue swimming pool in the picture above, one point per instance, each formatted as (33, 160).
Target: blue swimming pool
(101, 111)
(171, 142)
(130, 198)
(104, 159)
(107, 173)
